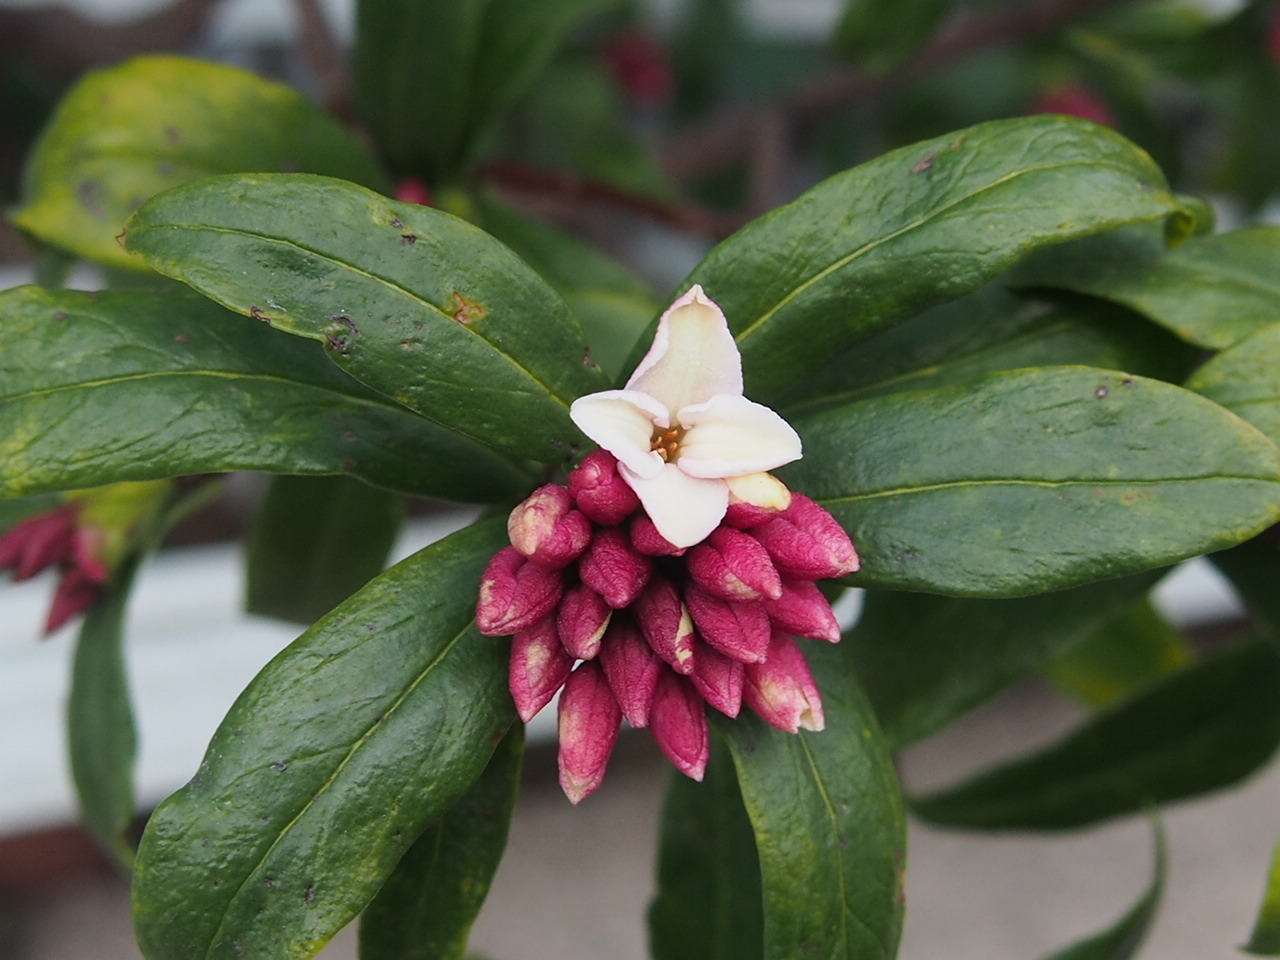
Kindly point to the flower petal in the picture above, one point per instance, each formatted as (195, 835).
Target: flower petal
(685, 509)
(693, 357)
(730, 435)
(622, 422)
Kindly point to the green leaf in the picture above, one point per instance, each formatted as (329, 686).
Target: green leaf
(1201, 729)
(126, 133)
(432, 77)
(927, 660)
(880, 34)
(97, 388)
(315, 541)
(1211, 291)
(709, 903)
(417, 304)
(989, 331)
(1034, 480)
(613, 305)
(829, 826)
(328, 767)
(427, 906)
(1264, 941)
(1245, 379)
(101, 734)
(1131, 651)
(1122, 940)
(1254, 571)
(928, 223)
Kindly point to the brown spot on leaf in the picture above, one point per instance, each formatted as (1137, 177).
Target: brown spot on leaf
(257, 314)
(341, 334)
(1102, 393)
(465, 310)
(309, 894)
(182, 337)
(408, 239)
(397, 223)
(925, 162)
(956, 143)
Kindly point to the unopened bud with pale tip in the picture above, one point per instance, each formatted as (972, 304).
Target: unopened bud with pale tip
(782, 690)
(589, 721)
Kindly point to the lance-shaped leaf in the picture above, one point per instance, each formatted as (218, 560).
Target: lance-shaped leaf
(709, 904)
(328, 767)
(431, 79)
(1202, 729)
(829, 826)
(916, 227)
(1131, 650)
(1265, 938)
(613, 305)
(1122, 940)
(1211, 291)
(314, 542)
(1036, 479)
(124, 134)
(419, 305)
(991, 330)
(1245, 379)
(96, 388)
(926, 660)
(426, 908)
(101, 734)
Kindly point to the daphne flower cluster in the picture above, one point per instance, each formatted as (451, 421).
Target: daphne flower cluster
(672, 571)
(57, 538)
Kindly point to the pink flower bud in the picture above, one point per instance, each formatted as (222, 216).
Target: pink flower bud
(1075, 100)
(581, 620)
(646, 538)
(781, 689)
(539, 667)
(806, 543)
(738, 629)
(86, 553)
(719, 679)
(666, 624)
(679, 724)
(515, 593)
(414, 190)
(734, 566)
(589, 724)
(75, 594)
(632, 669)
(599, 490)
(612, 567)
(546, 528)
(38, 542)
(803, 610)
(755, 499)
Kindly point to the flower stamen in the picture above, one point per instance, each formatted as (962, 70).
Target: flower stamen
(665, 444)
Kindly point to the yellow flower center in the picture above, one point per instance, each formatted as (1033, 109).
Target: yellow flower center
(666, 443)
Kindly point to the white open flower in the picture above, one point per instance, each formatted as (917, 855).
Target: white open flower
(682, 428)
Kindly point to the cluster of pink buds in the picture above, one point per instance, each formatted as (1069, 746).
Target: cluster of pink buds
(57, 538)
(631, 626)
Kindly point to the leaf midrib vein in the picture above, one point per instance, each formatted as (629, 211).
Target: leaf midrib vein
(1050, 484)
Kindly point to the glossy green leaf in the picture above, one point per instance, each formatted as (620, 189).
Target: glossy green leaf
(1035, 479)
(1211, 291)
(879, 34)
(829, 826)
(431, 78)
(330, 764)
(426, 908)
(1245, 379)
(613, 305)
(101, 734)
(128, 132)
(928, 223)
(1202, 729)
(1122, 940)
(989, 331)
(926, 660)
(709, 904)
(1134, 649)
(315, 541)
(96, 388)
(417, 304)
(1264, 941)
